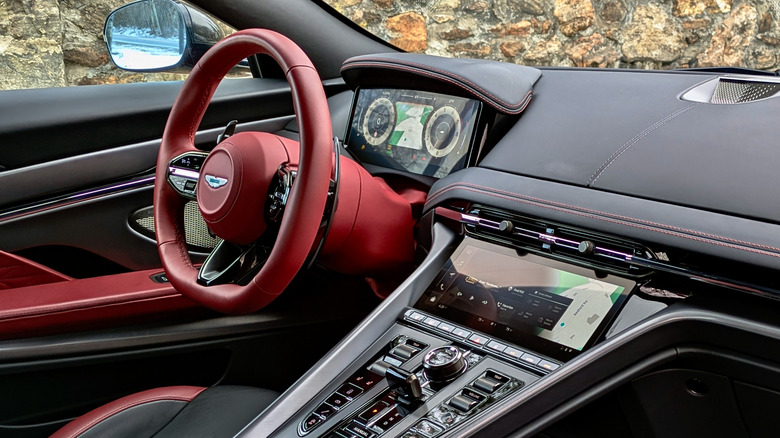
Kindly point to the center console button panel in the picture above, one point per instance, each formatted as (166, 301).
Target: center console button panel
(412, 400)
(480, 342)
(441, 365)
(395, 354)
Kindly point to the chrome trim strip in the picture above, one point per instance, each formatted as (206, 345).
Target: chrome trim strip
(15, 213)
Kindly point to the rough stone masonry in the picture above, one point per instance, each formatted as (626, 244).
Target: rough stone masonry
(45, 43)
(614, 33)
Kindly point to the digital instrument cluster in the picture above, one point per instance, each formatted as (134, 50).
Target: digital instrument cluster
(419, 132)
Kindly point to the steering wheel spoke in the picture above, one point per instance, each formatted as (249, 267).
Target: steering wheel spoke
(279, 193)
(231, 263)
(184, 173)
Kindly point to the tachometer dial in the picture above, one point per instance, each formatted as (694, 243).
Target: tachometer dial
(378, 121)
(442, 131)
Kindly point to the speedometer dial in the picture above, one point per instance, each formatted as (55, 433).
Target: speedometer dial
(442, 131)
(378, 121)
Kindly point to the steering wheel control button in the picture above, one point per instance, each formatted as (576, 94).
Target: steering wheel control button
(463, 404)
(479, 339)
(461, 333)
(530, 358)
(312, 421)
(184, 172)
(548, 365)
(190, 161)
(338, 401)
(488, 385)
(350, 391)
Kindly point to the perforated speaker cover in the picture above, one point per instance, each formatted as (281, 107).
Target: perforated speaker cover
(196, 231)
(730, 91)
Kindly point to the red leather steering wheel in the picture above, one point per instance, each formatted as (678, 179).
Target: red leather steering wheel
(234, 179)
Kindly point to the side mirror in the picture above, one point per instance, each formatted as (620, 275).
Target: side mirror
(158, 35)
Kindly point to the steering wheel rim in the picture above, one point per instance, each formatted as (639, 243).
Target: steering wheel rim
(303, 214)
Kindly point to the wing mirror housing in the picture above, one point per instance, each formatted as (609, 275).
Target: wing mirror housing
(159, 35)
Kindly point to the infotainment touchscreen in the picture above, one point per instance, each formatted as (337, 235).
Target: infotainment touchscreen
(414, 131)
(543, 305)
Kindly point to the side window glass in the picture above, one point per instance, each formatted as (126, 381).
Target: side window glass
(60, 44)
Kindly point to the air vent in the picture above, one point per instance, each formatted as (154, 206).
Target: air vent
(730, 90)
(595, 250)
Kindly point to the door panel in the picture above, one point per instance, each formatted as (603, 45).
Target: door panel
(47, 124)
(88, 159)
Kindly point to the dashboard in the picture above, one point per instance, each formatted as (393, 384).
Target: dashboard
(539, 255)
(413, 131)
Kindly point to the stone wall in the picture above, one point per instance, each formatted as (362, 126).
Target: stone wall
(54, 43)
(586, 33)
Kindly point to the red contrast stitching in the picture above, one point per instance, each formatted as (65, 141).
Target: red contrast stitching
(624, 220)
(508, 107)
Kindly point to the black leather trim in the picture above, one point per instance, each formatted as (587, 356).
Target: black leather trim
(691, 229)
(629, 132)
(221, 411)
(506, 87)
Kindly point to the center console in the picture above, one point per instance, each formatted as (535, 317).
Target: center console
(475, 325)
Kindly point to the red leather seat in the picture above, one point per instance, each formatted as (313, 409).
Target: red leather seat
(174, 411)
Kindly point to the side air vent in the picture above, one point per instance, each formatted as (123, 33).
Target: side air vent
(729, 90)
(598, 251)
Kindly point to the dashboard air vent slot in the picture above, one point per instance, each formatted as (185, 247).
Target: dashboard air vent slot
(595, 250)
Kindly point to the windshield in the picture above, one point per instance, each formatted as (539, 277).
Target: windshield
(580, 33)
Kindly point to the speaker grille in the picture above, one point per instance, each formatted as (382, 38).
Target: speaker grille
(731, 91)
(195, 228)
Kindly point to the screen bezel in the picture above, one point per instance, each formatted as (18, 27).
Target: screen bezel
(470, 142)
(527, 342)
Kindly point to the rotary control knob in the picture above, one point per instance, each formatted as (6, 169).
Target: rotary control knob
(444, 364)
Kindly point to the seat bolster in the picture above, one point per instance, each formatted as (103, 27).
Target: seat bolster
(158, 406)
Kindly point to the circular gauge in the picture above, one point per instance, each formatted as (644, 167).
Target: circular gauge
(442, 131)
(378, 121)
